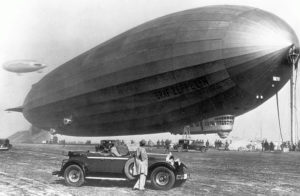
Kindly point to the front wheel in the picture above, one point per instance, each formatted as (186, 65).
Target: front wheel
(74, 176)
(162, 178)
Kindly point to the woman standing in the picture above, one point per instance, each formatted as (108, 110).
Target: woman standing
(141, 166)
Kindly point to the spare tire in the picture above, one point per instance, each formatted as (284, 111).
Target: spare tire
(128, 169)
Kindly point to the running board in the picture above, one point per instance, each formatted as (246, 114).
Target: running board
(105, 178)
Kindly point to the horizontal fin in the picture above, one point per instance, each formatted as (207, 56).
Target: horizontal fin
(17, 109)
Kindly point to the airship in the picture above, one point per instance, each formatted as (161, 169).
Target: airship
(199, 65)
(23, 66)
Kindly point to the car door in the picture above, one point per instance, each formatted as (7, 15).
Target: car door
(106, 164)
(116, 164)
(97, 163)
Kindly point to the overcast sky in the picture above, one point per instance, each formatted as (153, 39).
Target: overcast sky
(54, 31)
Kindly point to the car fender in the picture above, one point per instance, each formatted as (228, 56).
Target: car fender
(158, 164)
(81, 164)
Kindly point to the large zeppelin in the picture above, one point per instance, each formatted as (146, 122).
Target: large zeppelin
(167, 73)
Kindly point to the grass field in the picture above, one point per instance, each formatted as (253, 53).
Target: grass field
(26, 170)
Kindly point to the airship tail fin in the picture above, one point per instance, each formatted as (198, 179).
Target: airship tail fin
(17, 109)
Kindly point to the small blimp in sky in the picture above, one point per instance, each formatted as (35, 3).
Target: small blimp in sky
(23, 66)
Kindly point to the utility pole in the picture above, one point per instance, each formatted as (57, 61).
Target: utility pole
(292, 104)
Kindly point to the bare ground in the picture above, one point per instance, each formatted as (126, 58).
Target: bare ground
(26, 170)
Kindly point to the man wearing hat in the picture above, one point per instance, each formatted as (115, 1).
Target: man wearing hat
(141, 166)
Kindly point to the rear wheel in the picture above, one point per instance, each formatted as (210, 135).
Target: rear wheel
(74, 176)
(162, 178)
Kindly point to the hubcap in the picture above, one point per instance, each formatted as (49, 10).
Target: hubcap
(162, 178)
(74, 175)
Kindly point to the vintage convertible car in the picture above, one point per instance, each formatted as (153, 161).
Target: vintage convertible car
(83, 165)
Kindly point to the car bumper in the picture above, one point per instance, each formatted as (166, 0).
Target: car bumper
(182, 177)
(57, 173)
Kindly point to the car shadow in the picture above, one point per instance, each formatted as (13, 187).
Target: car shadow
(104, 183)
(108, 183)
(101, 183)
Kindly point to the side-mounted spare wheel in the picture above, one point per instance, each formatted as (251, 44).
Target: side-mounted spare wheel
(162, 178)
(74, 175)
(128, 169)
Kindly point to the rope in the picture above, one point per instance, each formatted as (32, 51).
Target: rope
(278, 117)
(295, 102)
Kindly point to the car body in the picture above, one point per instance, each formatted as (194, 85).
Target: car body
(187, 144)
(83, 165)
(5, 145)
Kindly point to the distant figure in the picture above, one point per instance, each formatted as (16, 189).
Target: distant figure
(294, 147)
(167, 144)
(263, 146)
(150, 144)
(266, 145)
(140, 166)
(289, 145)
(271, 146)
(113, 150)
(207, 144)
(216, 144)
(158, 143)
(162, 143)
(226, 145)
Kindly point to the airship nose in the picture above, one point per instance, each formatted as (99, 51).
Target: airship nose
(256, 49)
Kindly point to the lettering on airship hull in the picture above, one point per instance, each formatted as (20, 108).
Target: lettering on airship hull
(181, 88)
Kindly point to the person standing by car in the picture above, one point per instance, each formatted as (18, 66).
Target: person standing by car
(140, 166)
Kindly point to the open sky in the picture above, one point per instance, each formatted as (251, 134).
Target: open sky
(54, 31)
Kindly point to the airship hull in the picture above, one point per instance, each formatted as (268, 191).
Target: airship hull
(166, 73)
(23, 66)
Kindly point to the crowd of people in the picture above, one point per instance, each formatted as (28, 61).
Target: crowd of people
(219, 144)
(291, 147)
(266, 146)
(270, 146)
